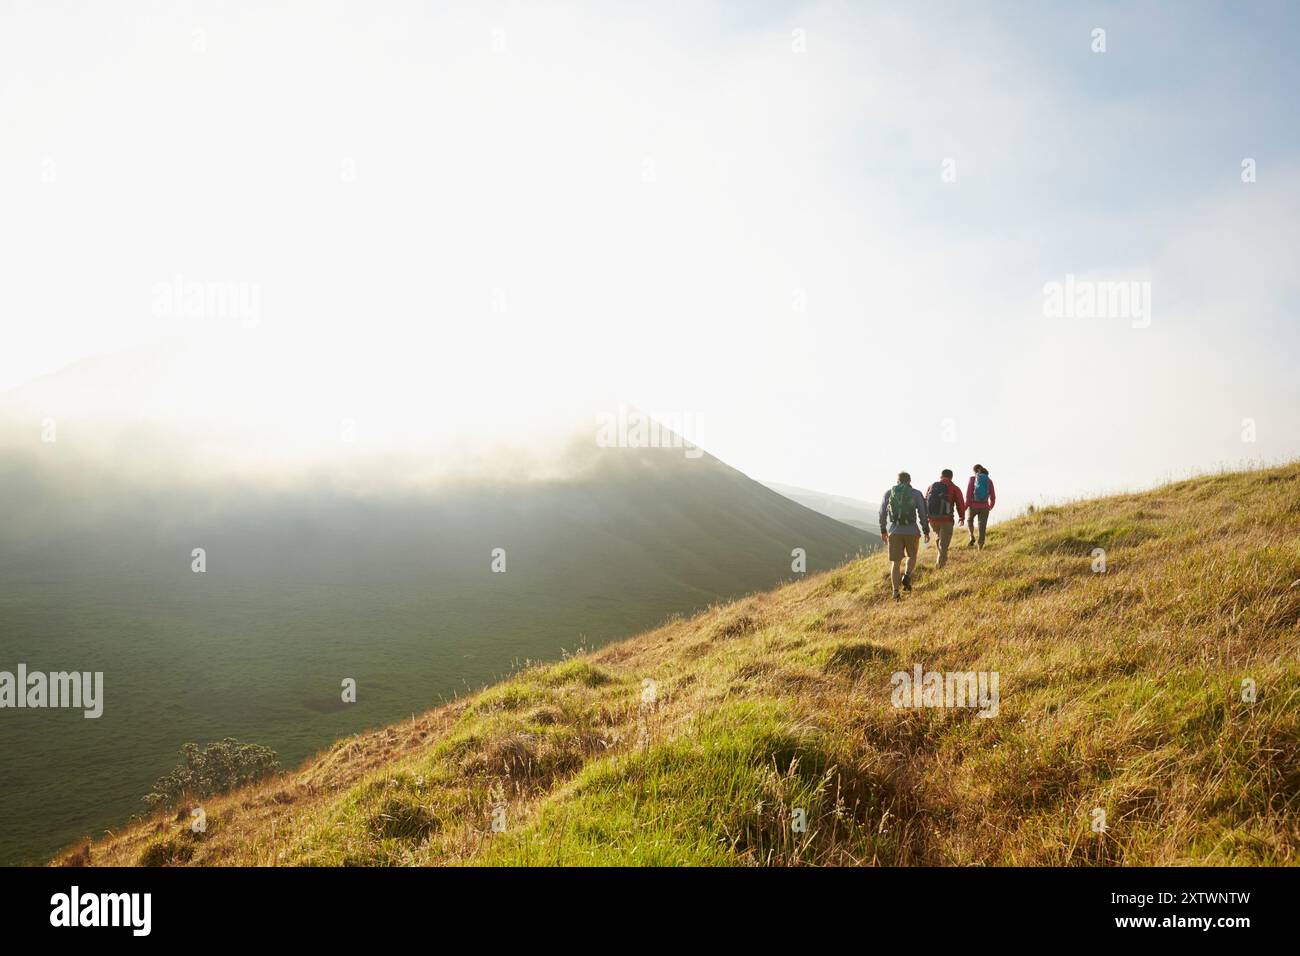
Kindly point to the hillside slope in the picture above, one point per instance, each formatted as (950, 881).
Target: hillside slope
(368, 558)
(307, 585)
(1120, 692)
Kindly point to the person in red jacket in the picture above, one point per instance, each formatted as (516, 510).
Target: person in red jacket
(941, 500)
(980, 498)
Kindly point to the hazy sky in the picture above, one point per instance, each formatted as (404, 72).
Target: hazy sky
(823, 231)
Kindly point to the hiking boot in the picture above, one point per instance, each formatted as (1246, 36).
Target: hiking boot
(907, 582)
(972, 543)
(897, 596)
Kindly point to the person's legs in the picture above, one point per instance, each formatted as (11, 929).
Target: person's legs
(896, 552)
(970, 526)
(943, 534)
(912, 544)
(983, 515)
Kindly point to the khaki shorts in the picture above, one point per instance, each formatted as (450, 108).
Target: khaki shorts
(903, 543)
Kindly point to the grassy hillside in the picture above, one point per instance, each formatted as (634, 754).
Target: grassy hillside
(1119, 690)
(307, 584)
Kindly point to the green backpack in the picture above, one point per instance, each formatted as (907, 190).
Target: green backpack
(902, 504)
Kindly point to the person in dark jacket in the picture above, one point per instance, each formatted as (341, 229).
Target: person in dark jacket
(942, 500)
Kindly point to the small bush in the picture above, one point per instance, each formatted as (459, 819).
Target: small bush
(401, 817)
(854, 656)
(215, 769)
(169, 852)
(78, 857)
(575, 672)
(735, 627)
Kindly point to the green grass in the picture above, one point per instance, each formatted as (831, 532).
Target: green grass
(702, 742)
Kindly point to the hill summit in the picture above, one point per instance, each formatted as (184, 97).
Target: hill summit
(1142, 650)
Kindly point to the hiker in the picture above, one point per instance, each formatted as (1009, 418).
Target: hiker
(904, 509)
(980, 498)
(940, 500)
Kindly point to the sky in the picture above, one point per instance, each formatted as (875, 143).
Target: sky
(828, 235)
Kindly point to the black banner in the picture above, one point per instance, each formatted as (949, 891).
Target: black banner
(332, 906)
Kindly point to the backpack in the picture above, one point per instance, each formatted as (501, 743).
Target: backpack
(936, 501)
(901, 504)
(981, 487)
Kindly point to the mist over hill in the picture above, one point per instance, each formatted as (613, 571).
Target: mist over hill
(420, 569)
(851, 511)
